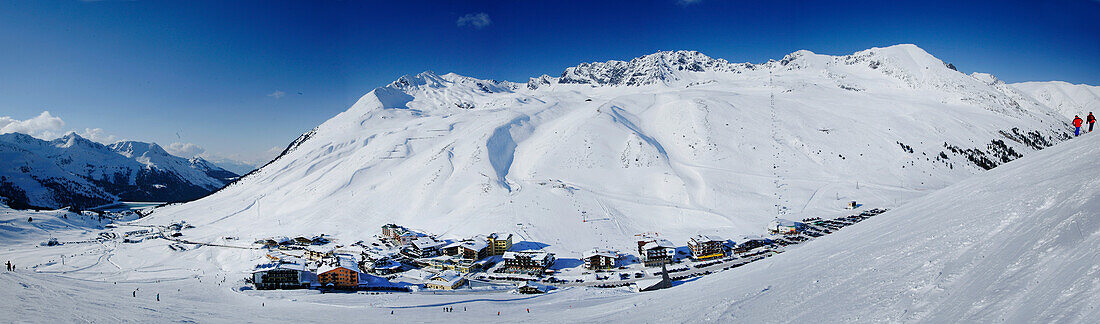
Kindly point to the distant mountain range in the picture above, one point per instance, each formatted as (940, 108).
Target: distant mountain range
(75, 171)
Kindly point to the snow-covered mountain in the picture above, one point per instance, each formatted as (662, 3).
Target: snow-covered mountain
(74, 171)
(1066, 98)
(676, 143)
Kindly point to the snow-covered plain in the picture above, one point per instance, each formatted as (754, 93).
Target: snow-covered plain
(1020, 243)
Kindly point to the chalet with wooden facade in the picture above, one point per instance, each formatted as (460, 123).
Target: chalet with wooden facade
(339, 277)
(343, 274)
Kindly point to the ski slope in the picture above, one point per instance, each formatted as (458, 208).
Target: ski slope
(1016, 244)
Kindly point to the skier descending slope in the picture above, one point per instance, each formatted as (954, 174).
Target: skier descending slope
(1091, 120)
(1076, 125)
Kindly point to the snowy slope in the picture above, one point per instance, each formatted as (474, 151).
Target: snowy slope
(674, 142)
(72, 170)
(1020, 243)
(1066, 98)
(1016, 244)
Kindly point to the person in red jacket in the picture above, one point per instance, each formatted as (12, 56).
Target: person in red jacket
(1091, 120)
(1077, 125)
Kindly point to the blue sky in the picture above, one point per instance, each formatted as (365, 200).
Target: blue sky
(236, 79)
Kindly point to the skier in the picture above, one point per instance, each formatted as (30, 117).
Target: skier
(158, 296)
(1091, 120)
(1077, 125)
(9, 265)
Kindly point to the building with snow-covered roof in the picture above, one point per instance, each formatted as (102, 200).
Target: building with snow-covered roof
(530, 287)
(399, 234)
(317, 253)
(752, 242)
(529, 262)
(343, 273)
(384, 267)
(499, 243)
(705, 247)
(393, 231)
(656, 251)
(339, 276)
(446, 262)
(446, 280)
(600, 259)
(281, 275)
(783, 226)
(424, 247)
(474, 249)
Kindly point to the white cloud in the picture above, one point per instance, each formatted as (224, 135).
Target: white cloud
(186, 150)
(477, 20)
(98, 135)
(277, 94)
(44, 126)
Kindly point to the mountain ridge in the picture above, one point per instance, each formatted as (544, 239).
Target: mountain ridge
(78, 172)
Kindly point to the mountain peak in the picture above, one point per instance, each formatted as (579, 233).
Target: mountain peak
(135, 148)
(73, 139)
(907, 53)
(423, 79)
(659, 67)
